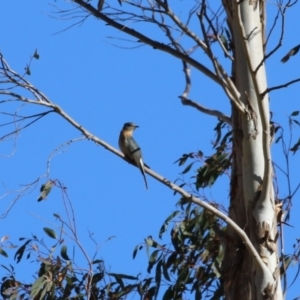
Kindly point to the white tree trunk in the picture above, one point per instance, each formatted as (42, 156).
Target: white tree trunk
(252, 133)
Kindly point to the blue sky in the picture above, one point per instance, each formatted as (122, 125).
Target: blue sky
(102, 83)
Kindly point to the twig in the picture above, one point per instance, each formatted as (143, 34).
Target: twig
(142, 38)
(228, 86)
(182, 26)
(279, 87)
(205, 110)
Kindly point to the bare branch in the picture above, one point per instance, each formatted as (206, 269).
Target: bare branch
(60, 149)
(228, 86)
(205, 110)
(282, 13)
(216, 34)
(188, 82)
(178, 47)
(182, 26)
(22, 118)
(155, 44)
(20, 193)
(279, 87)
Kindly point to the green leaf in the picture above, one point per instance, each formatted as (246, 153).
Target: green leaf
(37, 286)
(183, 159)
(295, 113)
(165, 272)
(123, 276)
(171, 259)
(51, 233)
(2, 252)
(187, 168)
(63, 252)
(36, 55)
(97, 261)
(169, 293)
(27, 70)
(138, 247)
(19, 254)
(69, 280)
(164, 227)
(296, 122)
(46, 261)
(295, 148)
(6, 268)
(152, 260)
(153, 256)
(46, 289)
(158, 276)
(97, 277)
(292, 52)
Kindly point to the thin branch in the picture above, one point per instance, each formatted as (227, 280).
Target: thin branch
(178, 47)
(279, 87)
(228, 86)
(60, 149)
(188, 81)
(37, 117)
(216, 34)
(182, 26)
(205, 110)
(20, 194)
(155, 44)
(280, 38)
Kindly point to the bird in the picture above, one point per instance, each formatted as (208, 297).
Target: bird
(131, 149)
(45, 190)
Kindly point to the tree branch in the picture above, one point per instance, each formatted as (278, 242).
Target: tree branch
(156, 45)
(228, 86)
(205, 110)
(277, 87)
(184, 28)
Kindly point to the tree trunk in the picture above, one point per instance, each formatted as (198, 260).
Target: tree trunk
(252, 204)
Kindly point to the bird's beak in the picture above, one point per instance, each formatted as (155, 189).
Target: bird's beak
(136, 126)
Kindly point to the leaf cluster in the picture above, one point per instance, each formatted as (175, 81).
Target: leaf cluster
(59, 277)
(214, 165)
(192, 262)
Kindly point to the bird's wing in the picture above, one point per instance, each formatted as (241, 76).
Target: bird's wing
(133, 149)
(136, 155)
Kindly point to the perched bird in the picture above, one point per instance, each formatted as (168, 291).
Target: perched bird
(131, 149)
(45, 190)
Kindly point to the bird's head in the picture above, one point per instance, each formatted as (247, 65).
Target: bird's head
(129, 126)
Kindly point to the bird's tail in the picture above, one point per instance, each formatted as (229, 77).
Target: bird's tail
(143, 173)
